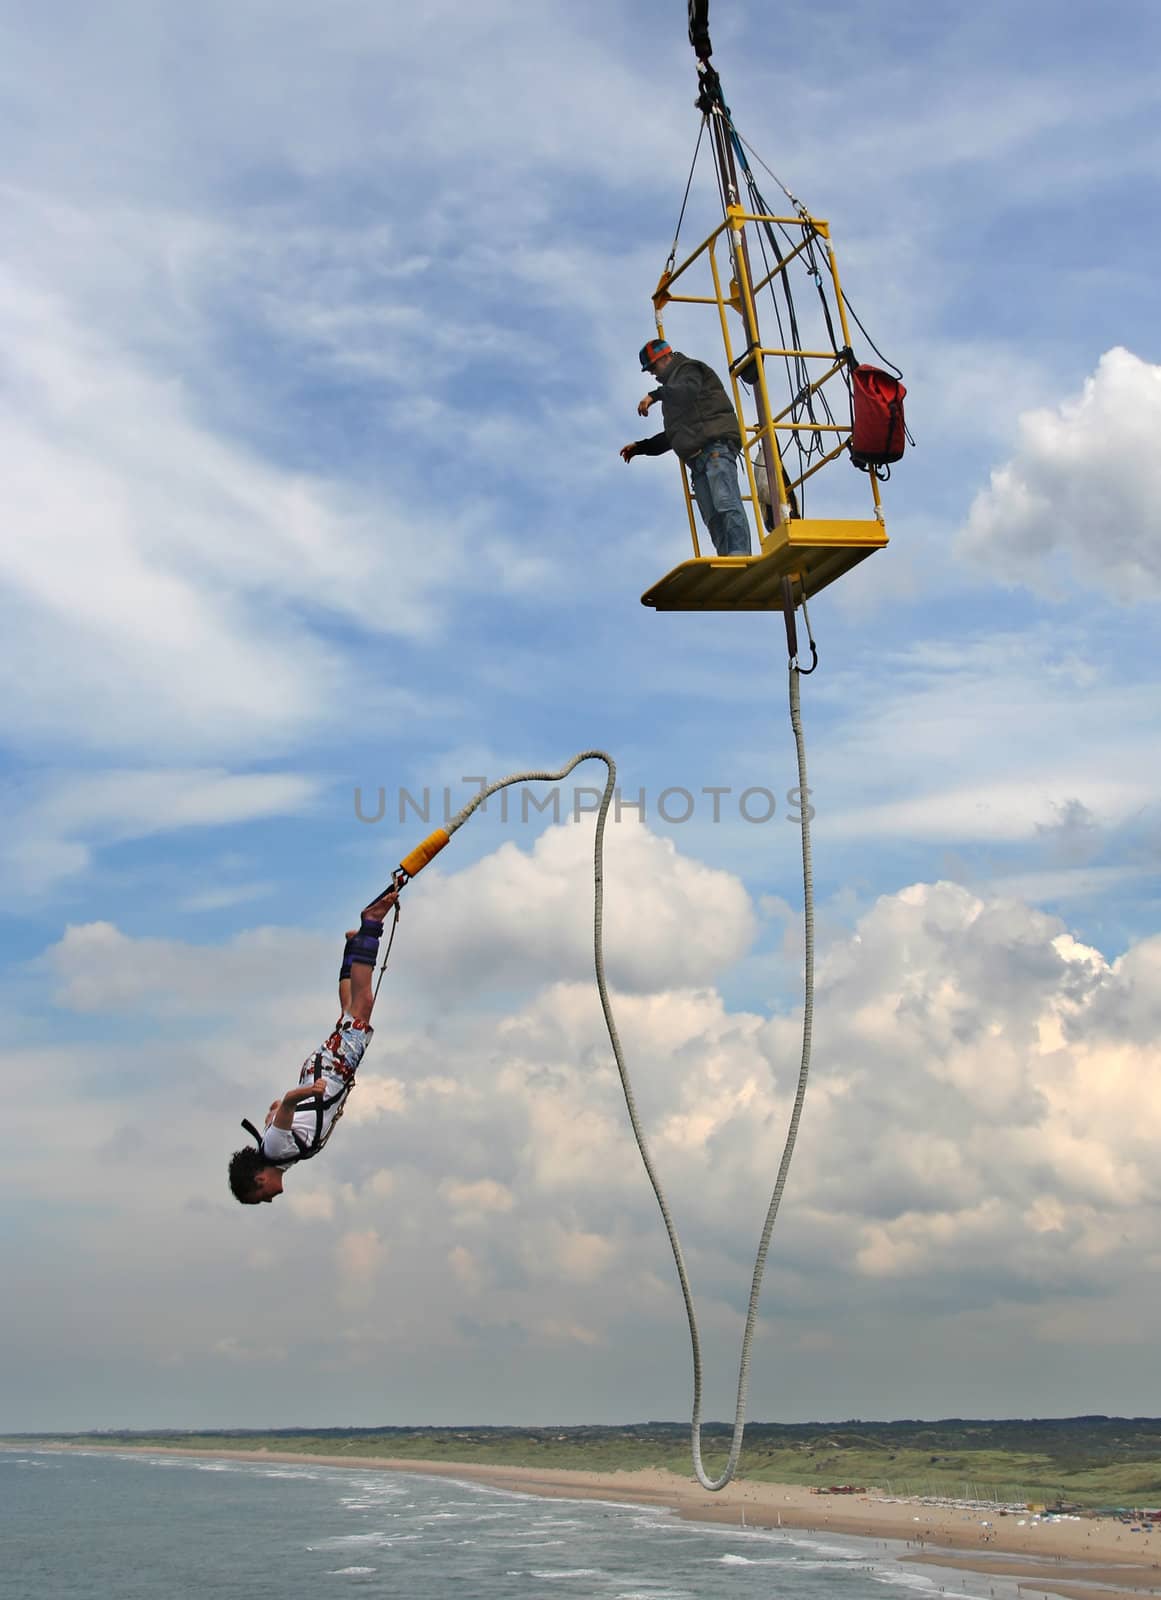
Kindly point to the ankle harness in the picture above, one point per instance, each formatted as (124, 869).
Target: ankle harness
(362, 948)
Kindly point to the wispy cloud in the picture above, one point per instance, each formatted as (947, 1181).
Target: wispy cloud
(59, 821)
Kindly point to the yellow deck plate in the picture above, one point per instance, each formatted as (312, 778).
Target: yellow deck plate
(812, 552)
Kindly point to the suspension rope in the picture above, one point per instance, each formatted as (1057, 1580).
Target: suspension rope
(810, 408)
(884, 359)
(794, 200)
(807, 443)
(669, 265)
(813, 268)
(802, 394)
(627, 1089)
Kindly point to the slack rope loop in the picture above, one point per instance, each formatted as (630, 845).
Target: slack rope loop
(627, 1088)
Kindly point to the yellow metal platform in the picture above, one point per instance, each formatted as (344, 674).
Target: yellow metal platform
(812, 552)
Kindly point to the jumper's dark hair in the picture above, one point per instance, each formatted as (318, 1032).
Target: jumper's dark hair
(245, 1165)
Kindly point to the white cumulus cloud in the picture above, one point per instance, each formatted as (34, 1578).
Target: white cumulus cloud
(1081, 493)
(669, 919)
(979, 1137)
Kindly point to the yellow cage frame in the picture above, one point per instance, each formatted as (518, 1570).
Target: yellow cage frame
(812, 552)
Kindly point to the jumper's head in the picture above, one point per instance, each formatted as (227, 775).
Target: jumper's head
(655, 351)
(253, 1181)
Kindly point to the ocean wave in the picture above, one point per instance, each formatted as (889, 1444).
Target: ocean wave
(384, 1487)
(567, 1572)
(825, 1564)
(655, 1594)
(369, 1540)
(903, 1579)
(836, 1553)
(732, 1559)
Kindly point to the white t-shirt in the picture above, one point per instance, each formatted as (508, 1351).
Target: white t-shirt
(278, 1144)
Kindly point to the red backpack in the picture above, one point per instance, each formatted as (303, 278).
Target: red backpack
(878, 433)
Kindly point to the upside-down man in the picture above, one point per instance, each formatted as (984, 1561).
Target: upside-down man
(298, 1125)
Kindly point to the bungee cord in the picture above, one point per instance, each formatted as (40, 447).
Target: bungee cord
(457, 822)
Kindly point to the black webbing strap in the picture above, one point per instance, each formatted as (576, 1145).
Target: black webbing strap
(699, 29)
(788, 618)
(320, 1101)
(306, 1149)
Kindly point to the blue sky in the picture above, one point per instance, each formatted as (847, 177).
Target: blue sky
(319, 333)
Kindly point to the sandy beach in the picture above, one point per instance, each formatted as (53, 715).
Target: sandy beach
(1084, 1559)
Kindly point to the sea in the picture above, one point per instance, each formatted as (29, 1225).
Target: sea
(101, 1525)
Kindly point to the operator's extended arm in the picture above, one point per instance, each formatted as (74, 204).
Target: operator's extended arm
(657, 446)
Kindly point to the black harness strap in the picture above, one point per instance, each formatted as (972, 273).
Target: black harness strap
(306, 1147)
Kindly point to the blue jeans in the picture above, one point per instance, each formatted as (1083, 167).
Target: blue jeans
(714, 475)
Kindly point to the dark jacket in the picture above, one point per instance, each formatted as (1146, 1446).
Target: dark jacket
(696, 410)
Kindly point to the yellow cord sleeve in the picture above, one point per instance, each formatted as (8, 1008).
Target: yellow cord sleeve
(423, 853)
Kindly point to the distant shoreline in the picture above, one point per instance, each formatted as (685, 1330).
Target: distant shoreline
(1092, 1558)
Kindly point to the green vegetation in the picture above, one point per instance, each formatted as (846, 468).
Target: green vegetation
(1087, 1461)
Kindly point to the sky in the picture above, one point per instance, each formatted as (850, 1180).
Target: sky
(318, 343)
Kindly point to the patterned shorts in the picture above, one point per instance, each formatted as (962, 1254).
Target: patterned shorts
(342, 1052)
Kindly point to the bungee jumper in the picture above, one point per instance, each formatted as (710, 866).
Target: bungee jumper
(299, 1124)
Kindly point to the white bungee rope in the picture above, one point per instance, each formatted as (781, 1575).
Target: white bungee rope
(457, 822)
